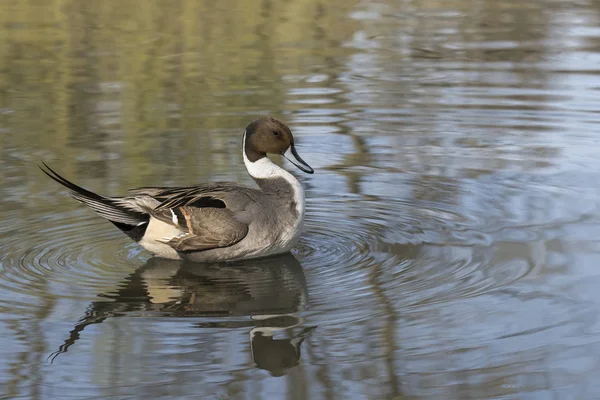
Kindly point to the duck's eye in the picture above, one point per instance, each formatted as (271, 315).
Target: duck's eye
(276, 133)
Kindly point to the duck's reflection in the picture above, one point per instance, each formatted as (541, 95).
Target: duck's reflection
(263, 294)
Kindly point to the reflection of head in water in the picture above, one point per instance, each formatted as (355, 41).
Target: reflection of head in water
(277, 355)
(167, 288)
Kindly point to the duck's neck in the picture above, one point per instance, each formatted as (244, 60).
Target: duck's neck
(274, 180)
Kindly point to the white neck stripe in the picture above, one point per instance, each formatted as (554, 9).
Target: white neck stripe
(264, 168)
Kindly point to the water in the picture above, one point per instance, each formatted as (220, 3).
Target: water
(451, 249)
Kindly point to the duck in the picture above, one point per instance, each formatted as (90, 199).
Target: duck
(215, 221)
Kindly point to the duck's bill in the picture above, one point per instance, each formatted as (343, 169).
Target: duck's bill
(292, 156)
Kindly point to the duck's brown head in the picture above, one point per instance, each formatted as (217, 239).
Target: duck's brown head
(269, 135)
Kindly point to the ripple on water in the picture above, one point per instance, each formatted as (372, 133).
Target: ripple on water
(65, 260)
(424, 253)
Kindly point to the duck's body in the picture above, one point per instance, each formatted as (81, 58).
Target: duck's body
(266, 221)
(221, 221)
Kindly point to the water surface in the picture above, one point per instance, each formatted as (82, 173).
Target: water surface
(451, 247)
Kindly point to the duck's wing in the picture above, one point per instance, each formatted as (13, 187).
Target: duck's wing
(213, 194)
(203, 228)
(206, 215)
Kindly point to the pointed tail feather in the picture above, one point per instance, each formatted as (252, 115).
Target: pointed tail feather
(109, 208)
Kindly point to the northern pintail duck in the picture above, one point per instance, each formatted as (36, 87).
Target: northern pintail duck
(218, 221)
